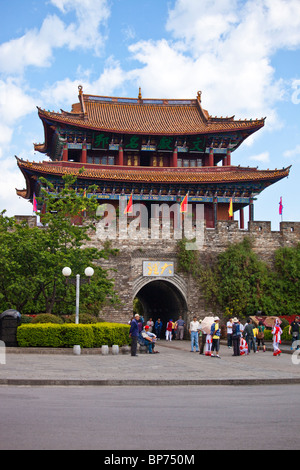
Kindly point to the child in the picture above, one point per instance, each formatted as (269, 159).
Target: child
(276, 332)
(208, 344)
(169, 330)
(243, 347)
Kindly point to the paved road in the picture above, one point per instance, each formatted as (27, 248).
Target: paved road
(174, 365)
(145, 418)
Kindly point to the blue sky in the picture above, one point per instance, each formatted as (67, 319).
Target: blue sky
(244, 55)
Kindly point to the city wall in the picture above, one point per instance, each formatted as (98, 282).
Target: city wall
(127, 267)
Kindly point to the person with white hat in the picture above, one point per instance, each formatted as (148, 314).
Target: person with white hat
(236, 336)
(216, 333)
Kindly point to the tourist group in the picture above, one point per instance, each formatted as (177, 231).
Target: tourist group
(205, 335)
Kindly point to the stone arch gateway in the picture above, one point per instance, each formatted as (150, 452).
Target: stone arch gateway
(162, 298)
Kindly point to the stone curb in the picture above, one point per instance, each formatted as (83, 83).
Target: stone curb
(134, 382)
(97, 351)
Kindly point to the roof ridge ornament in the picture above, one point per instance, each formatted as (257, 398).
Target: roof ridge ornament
(140, 94)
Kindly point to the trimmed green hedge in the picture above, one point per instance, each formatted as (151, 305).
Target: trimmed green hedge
(65, 336)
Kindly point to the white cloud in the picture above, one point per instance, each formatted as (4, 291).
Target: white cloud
(91, 14)
(15, 104)
(11, 178)
(64, 92)
(224, 48)
(263, 157)
(35, 47)
(293, 154)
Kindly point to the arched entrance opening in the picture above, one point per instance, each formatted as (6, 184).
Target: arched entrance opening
(162, 299)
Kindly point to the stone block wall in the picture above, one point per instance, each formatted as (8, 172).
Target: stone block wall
(126, 267)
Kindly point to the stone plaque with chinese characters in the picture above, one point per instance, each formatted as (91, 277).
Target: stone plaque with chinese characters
(158, 268)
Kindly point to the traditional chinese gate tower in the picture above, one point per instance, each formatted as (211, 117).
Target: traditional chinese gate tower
(158, 150)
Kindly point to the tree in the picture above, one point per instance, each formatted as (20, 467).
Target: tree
(239, 283)
(242, 279)
(32, 258)
(287, 285)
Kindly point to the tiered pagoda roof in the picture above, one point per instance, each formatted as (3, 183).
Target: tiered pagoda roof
(154, 149)
(150, 175)
(151, 117)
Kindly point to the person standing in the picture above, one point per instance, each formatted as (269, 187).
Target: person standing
(150, 323)
(158, 328)
(215, 333)
(180, 328)
(133, 333)
(276, 332)
(203, 339)
(236, 336)
(229, 333)
(249, 336)
(169, 330)
(294, 330)
(194, 331)
(261, 336)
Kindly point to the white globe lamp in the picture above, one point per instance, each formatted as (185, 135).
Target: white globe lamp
(89, 271)
(67, 271)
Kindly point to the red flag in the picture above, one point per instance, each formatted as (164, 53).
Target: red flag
(184, 203)
(128, 209)
(280, 206)
(34, 203)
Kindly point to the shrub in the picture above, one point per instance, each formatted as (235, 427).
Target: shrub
(40, 335)
(268, 335)
(65, 336)
(84, 318)
(46, 318)
(285, 334)
(77, 334)
(110, 333)
(26, 319)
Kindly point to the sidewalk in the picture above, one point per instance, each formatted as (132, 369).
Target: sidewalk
(175, 365)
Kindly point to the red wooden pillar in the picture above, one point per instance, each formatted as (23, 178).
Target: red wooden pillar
(242, 223)
(121, 155)
(211, 157)
(251, 210)
(175, 155)
(83, 153)
(65, 152)
(228, 157)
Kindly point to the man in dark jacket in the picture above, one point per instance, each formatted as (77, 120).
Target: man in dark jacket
(248, 334)
(294, 330)
(133, 333)
(236, 336)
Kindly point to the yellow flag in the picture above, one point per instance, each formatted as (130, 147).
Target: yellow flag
(230, 211)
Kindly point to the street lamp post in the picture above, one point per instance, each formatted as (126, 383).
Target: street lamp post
(67, 273)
